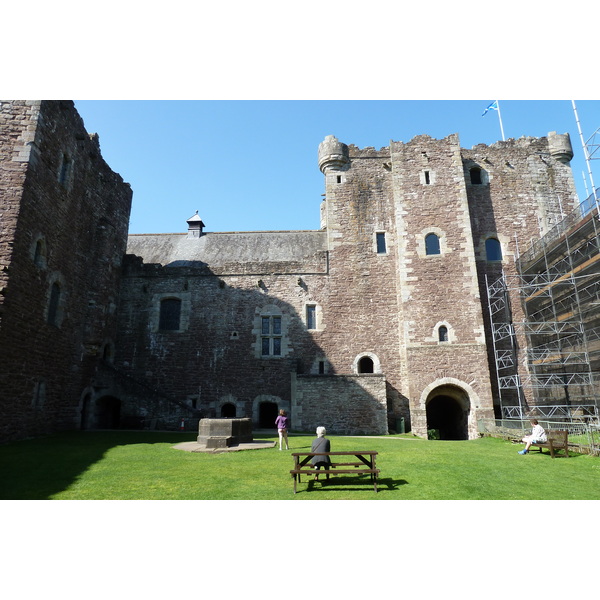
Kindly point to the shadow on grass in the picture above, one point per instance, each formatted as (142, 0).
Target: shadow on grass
(40, 468)
(348, 484)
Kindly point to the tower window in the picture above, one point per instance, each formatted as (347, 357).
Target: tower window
(339, 179)
(381, 245)
(432, 244)
(311, 316)
(170, 314)
(443, 334)
(65, 169)
(427, 178)
(493, 249)
(54, 303)
(475, 173)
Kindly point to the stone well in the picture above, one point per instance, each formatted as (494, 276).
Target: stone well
(222, 433)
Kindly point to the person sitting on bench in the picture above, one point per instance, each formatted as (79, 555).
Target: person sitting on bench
(320, 444)
(537, 435)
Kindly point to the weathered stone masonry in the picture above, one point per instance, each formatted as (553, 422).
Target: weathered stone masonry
(379, 315)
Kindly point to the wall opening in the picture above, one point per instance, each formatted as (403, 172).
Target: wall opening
(447, 417)
(365, 365)
(228, 411)
(108, 413)
(267, 413)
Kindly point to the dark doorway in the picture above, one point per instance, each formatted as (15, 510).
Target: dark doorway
(267, 413)
(365, 365)
(108, 413)
(228, 411)
(446, 415)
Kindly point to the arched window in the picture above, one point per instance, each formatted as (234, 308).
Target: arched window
(493, 249)
(170, 314)
(432, 244)
(475, 173)
(365, 365)
(443, 334)
(39, 257)
(54, 304)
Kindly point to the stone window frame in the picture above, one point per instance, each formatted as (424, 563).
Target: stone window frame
(435, 333)
(385, 235)
(427, 177)
(318, 315)
(184, 317)
(481, 253)
(271, 310)
(372, 356)
(483, 174)
(501, 250)
(64, 174)
(421, 247)
(56, 317)
(39, 252)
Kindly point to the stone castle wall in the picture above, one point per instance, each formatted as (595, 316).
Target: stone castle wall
(64, 226)
(379, 299)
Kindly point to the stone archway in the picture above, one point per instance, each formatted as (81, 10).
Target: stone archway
(448, 410)
(447, 417)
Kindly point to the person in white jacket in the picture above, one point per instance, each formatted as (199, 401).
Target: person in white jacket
(537, 435)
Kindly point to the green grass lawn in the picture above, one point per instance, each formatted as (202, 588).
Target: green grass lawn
(125, 465)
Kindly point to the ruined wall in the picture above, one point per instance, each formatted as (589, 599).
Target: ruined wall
(65, 216)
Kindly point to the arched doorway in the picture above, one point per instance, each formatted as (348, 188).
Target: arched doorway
(267, 413)
(108, 412)
(228, 411)
(447, 413)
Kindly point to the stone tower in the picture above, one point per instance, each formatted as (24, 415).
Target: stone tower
(64, 216)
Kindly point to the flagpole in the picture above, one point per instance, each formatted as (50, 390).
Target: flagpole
(500, 119)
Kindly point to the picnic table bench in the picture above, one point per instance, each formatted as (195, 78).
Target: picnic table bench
(365, 465)
(557, 440)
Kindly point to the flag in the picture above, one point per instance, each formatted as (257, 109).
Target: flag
(492, 106)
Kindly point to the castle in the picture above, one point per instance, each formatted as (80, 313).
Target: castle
(377, 321)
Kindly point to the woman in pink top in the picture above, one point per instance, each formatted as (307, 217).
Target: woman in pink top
(282, 423)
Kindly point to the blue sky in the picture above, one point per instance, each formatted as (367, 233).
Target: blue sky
(252, 165)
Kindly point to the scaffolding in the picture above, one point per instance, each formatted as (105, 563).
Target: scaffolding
(548, 363)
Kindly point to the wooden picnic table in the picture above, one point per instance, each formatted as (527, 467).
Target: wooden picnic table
(364, 465)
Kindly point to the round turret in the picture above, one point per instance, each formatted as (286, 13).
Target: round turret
(332, 154)
(560, 147)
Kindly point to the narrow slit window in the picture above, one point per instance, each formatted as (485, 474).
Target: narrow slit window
(381, 245)
(311, 316)
(65, 167)
(427, 178)
(53, 305)
(339, 179)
